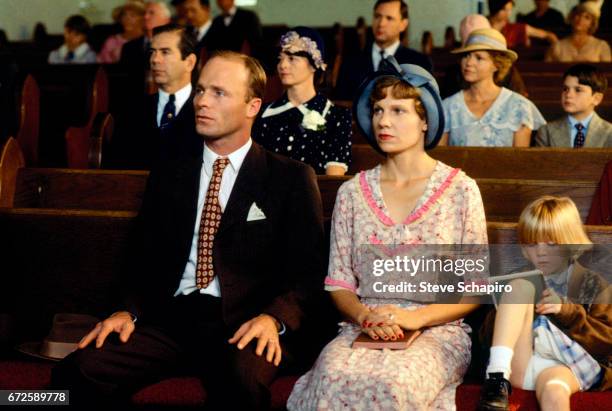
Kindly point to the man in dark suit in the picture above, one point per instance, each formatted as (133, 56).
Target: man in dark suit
(235, 26)
(230, 260)
(197, 16)
(389, 22)
(135, 53)
(146, 133)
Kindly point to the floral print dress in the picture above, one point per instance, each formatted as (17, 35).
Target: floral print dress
(508, 113)
(426, 375)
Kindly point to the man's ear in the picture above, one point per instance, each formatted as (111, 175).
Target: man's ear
(404, 25)
(191, 61)
(597, 98)
(253, 107)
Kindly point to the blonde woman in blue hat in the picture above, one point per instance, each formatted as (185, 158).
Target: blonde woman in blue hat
(409, 198)
(484, 113)
(304, 125)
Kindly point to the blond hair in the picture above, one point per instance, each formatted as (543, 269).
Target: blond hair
(503, 62)
(257, 75)
(551, 219)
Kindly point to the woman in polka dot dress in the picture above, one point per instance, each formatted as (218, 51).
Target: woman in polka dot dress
(304, 125)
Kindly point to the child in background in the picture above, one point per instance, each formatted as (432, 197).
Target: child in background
(567, 347)
(583, 90)
(75, 49)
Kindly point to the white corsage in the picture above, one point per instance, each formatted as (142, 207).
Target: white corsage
(313, 120)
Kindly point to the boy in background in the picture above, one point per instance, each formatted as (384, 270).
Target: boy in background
(583, 90)
(75, 49)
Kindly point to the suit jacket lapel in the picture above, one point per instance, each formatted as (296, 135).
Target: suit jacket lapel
(595, 136)
(560, 133)
(187, 187)
(153, 109)
(368, 58)
(247, 189)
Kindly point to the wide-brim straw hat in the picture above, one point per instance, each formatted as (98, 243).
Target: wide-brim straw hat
(486, 40)
(590, 7)
(417, 77)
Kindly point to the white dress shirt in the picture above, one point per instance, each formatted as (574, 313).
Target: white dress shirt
(389, 51)
(180, 97)
(188, 282)
(202, 30)
(227, 20)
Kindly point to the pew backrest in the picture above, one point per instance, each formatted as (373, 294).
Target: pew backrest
(503, 199)
(508, 162)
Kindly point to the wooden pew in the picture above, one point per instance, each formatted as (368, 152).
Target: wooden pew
(29, 121)
(503, 199)
(79, 189)
(508, 162)
(70, 260)
(11, 161)
(78, 138)
(70, 97)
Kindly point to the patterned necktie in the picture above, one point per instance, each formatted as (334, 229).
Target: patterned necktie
(211, 217)
(579, 140)
(168, 113)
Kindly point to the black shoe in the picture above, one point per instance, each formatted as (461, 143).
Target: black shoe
(495, 393)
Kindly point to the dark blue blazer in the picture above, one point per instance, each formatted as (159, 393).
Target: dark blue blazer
(355, 68)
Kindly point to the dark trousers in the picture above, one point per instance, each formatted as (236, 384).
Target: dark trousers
(191, 340)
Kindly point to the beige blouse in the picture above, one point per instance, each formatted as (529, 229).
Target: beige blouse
(594, 51)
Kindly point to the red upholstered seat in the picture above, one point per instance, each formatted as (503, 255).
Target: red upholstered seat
(24, 375)
(188, 392)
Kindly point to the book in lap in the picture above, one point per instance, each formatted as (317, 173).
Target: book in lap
(535, 277)
(365, 341)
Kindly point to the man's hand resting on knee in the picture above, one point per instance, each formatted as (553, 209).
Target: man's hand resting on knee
(265, 328)
(120, 322)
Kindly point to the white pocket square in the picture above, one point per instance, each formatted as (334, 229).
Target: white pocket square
(255, 213)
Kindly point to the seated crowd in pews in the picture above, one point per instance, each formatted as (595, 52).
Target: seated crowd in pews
(222, 217)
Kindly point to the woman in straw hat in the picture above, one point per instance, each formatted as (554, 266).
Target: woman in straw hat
(484, 113)
(409, 198)
(131, 17)
(303, 124)
(581, 45)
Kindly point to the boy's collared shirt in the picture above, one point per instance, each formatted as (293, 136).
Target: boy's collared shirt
(82, 55)
(572, 125)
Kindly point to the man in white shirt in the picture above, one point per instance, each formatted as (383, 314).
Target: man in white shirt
(389, 21)
(229, 264)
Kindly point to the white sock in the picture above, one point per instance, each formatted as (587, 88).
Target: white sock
(500, 360)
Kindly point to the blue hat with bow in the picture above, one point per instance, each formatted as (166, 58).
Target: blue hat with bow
(417, 77)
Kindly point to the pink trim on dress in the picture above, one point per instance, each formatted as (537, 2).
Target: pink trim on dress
(339, 283)
(384, 218)
(370, 200)
(425, 207)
